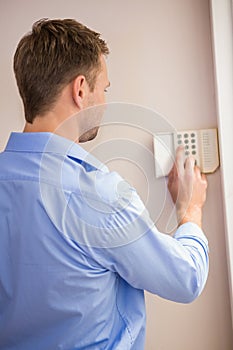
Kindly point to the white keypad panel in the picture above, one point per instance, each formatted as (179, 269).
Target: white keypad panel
(201, 144)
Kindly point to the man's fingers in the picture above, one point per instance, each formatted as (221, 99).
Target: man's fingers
(197, 172)
(200, 176)
(204, 178)
(179, 162)
(190, 164)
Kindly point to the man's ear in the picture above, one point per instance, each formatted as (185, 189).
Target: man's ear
(79, 91)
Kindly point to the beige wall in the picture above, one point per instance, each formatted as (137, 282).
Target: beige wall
(161, 58)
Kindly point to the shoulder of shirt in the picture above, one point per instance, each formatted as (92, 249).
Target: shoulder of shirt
(94, 180)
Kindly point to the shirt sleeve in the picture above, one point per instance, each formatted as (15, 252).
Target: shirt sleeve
(175, 268)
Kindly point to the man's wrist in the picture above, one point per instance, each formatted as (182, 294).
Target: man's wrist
(192, 214)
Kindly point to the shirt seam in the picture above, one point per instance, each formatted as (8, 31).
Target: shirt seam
(123, 318)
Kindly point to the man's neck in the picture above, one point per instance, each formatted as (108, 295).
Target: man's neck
(55, 123)
(37, 128)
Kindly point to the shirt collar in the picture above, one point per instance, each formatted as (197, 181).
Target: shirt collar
(46, 142)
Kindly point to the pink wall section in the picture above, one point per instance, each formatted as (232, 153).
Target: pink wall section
(161, 59)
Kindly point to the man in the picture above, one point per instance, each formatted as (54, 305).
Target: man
(77, 246)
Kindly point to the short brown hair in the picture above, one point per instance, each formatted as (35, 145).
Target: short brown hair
(50, 57)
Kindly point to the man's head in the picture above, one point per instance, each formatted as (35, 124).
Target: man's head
(54, 54)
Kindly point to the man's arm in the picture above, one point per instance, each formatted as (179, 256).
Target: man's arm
(128, 243)
(174, 268)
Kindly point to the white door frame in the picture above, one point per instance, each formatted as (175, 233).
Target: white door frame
(222, 35)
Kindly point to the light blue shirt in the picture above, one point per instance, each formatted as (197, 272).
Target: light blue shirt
(78, 249)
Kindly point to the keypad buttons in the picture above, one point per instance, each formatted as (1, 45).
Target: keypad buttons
(190, 142)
